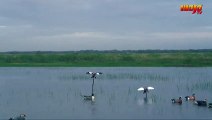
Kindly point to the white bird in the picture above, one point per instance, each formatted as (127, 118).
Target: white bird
(145, 89)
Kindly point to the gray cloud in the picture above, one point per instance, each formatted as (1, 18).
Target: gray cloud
(27, 25)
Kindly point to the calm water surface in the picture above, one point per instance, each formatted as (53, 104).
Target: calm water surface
(55, 93)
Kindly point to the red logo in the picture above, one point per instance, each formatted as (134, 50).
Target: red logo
(194, 8)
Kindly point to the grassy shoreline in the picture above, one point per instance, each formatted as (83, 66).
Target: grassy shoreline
(95, 59)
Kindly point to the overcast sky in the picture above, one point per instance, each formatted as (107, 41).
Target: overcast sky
(63, 25)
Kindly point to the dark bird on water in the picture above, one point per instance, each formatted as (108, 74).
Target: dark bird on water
(192, 97)
(20, 117)
(179, 101)
(201, 102)
(209, 105)
(89, 97)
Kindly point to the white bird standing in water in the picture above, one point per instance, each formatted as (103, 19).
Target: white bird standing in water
(93, 75)
(145, 89)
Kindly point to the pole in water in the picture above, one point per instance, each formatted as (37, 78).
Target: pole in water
(92, 86)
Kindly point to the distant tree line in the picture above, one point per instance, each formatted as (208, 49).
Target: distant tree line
(109, 51)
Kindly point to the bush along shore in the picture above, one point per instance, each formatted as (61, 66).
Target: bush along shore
(107, 59)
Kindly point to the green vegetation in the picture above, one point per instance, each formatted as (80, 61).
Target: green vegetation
(107, 59)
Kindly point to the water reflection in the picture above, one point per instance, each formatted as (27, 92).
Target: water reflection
(145, 100)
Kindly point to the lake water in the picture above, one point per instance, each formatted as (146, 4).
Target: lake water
(55, 93)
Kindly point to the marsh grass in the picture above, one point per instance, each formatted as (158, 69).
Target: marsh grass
(120, 76)
(206, 85)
